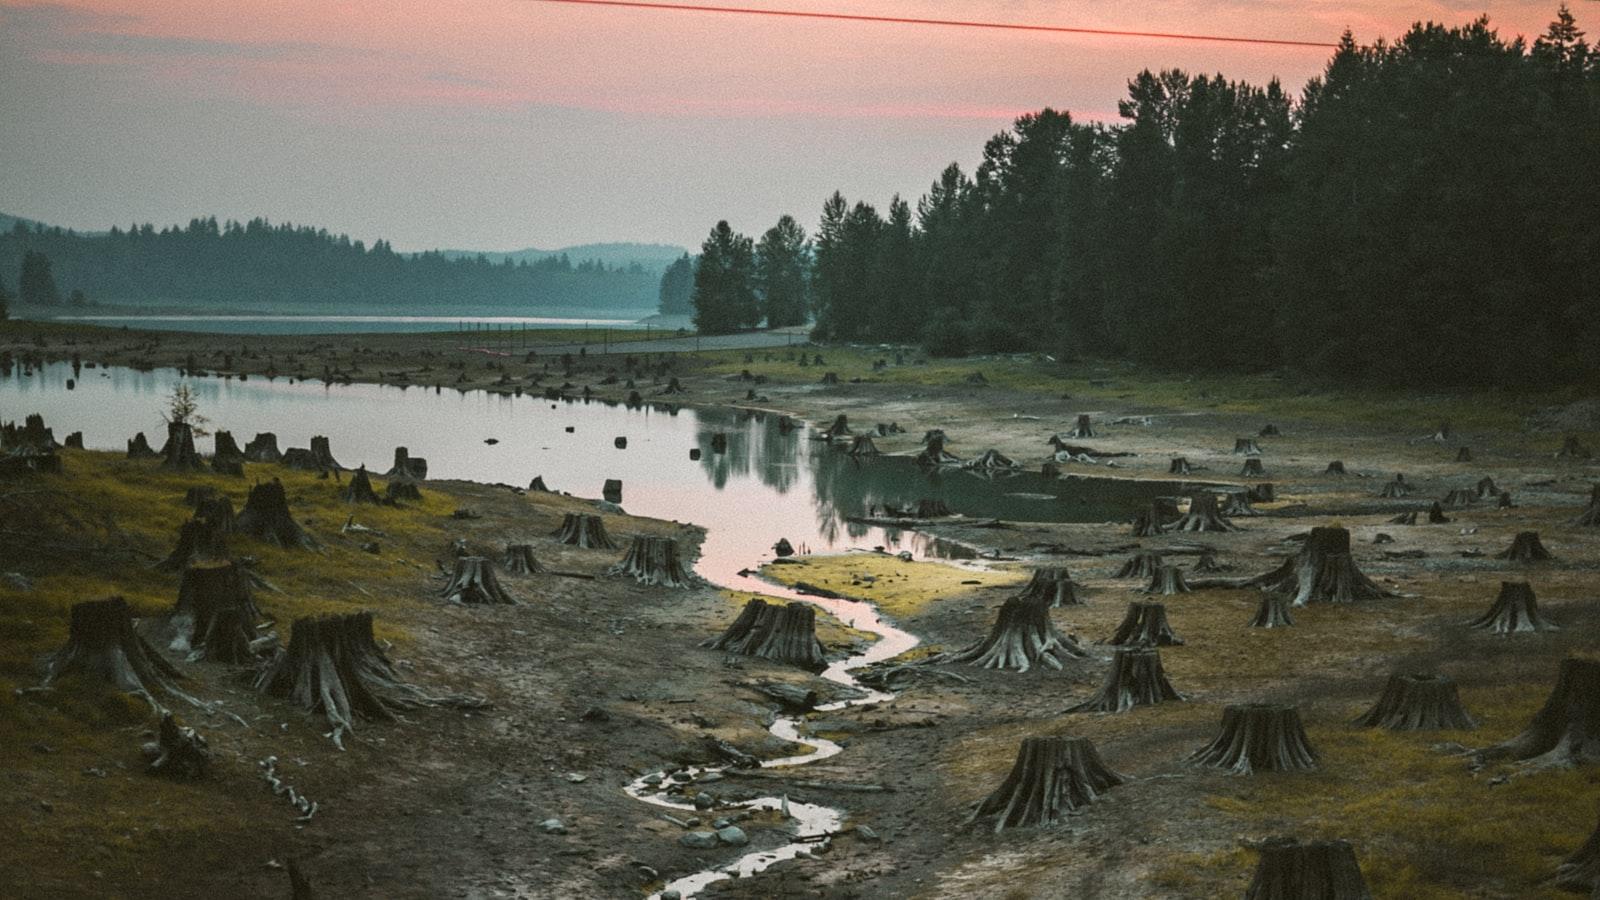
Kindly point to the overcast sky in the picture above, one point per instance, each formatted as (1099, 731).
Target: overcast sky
(500, 124)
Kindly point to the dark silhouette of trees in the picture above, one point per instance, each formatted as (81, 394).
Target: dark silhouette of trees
(37, 285)
(724, 283)
(677, 287)
(783, 263)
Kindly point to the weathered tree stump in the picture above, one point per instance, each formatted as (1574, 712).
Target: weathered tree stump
(1418, 703)
(934, 453)
(1262, 493)
(1082, 429)
(839, 427)
(74, 441)
(654, 561)
(323, 456)
(719, 442)
(782, 548)
(178, 751)
(1258, 737)
(400, 490)
(1247, 446)
(300, 459)
(1203, 515)
(1395, 489)
(1268, 430)
(1207, 562)
(1050, 587)
(203, 538)
(263, 448)
(178, 454)
(1405, 518)
(1145, 623)
(1566, 730)
(1315, 870)
(225, 448)
(360, 488)
(266, 517)
(1503, 501)
(1464, 454)
(1052, 778)
(932, 508)
(1149, 523)
(1238, 504)
(1459, 497)
(862, 445)
(1140, 565)
(611, 490)
(537, 484)
(584, 530)
(519, 560)
(103, 644)
(1525, 547)
(1179, 466)
(1022, 637)
(215, 617)
(1167, 580)
(785, 634)
(474, 582)
(1487, 489)
(1335, 468)
(1515, 611)
(1580, 872)
(408, 466)
(990, 459)
(1134, 679)
(1322, 572)
(139, 448)
(1252, 468)
(1272, 612)
(1436, 514)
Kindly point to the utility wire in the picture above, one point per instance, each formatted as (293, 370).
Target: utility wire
(948, 23)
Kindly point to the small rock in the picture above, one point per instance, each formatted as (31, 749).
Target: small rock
(704, 801)
(553, 826)
(577, 777)
(733, 836)
(671, 895)
(699, 840)
(720, 824)
(865, 833)
(47, 806)
(652, 778)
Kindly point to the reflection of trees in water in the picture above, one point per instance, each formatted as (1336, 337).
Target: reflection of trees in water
(755, 447)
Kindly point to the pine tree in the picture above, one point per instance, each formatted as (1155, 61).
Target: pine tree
(37, 286)
(677, 287)
(783, 263)
(5, 301)
(724, 283)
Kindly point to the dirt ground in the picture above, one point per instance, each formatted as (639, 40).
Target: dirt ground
(450, 803)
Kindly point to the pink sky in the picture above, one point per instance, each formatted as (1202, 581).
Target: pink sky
(495, 124)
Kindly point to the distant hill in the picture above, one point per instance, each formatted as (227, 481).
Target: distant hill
(651, 257)
(9, 222)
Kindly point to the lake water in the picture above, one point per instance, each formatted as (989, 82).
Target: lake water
(767, 486)
(278, 324)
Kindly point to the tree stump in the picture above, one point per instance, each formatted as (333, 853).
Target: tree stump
(1566, 730)
(1082, 429)
(1208, 563)
(584, 530)
(839, 427)
(215, 617)
(139, 448)
(1134, 679)
(1052, 778)
(1261, 493)
(862, 445)
(300, 459)
(400, 490)
(932, 508)
(990, 459)
(719, 442)
(1405, 518)
(225, 448)
(785, 634)
(1252, 468)
(1022, 636)
(1459, 497)
(1238, 504)
(1335, 468)
(1418, 703)
(519, 560)
(654, 561)
(1464, 455)
(1179, 466)
(265, 517)
(1525, 547)
(1258, 737)
(408, 466)
(782, 548)
(203, 538)
(1436, 514)
(178, 454)
(1580, 872)
(934, 454)
(103, 644)
(360, 488)
(474, 582)
(611, 490)
(1515, 611)
(1140, 565)
(1145, 623)
(1323, 572)
(1167, 580)
(179, 751)
(1572, 448)
(537, 484)
(323, 456)
(1395, 489)
(1050, 587)
(1315, 870)
(74, 441)
(1246, 446)
(263, 448)
(1203, 515)
(1268, 430)
(1149, 523)
(1273, 612)
(621, 443)
(1487, 489)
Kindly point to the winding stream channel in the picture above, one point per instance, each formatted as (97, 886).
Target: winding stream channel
(767, 485)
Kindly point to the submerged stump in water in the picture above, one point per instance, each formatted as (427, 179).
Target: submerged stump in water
(584, 530)
(1515, 611)
(1135, 678)
(1258, 737)
(654, 561)
(1418, 703)
(1052, 778)
(474, 582)
(1315, 870)
(1022, 637)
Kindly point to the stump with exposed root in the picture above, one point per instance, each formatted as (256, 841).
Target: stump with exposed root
(1395, 489)
(1580, 872)
(1324, 571)
(1083, 428)
(1238, 504)
(178, 454)
(215, 616)
(1166, 581)
(1412, 702)
(1515, 611)
(1023, 636)
(263, 448)
(473, 582)
(1258, 737)
(1246, 446)
(1272, 612)
(1525, 547)
(178, 751)
(1335, 468)
(1140, 565)
(584, 530)
(1179, 466)
(266, 517)
(1313, 870)
(203, 538)
(1203, 515)
(1566, 730)
(519, 560)
(401, 490)
(1149, 523)
(1253, 468)
(1051, 587)
(862, 445)
(785, 634)
(103, 644)
(408, 466)
(934, 454)
(654, 561)
(1145, 623)
(1135, 678)
(1052, 778)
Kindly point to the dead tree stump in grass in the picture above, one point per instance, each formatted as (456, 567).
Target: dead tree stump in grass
(1022, 637)
(1134, 679)
(1083, 429)
(360, 489)
(1252, 468)
(1261, 493)
(178, 454)
(1418, 703)
(1052, 778)
(1179, 466)
(862, 445)
(139, 448)
(1050, 587)
(408, 466)
(103, 644)
(1457, 498)
(1487, 489)
(1464, 455)
(1268, 430)
(224, 448)
(334, 667)
(1566, 730)
(519, 560)
(1515, 611)
(323, 455)
(1315, 870)
(1258, 737)
(1525, 547)
(1166, 581)
(934, 453)
(1324, 571)
(1246, 446)
(215, 617)
(537, 484)
(263, 448)
(1203, 515)
(1238, 504)
(402, 490)
(1405, 518)
(1273, 612)
(1580, 872)
(474, 582)
(1335, 468)
(1572, 448)
(1395, 489)
(266, 517)
(1145, 623)
(1590, 517)
(785, 634)
(203, 538)
(178, 751)
(1208, 563)
(1140, 565)
(653, 560)
(1149, 523)
(584, 530)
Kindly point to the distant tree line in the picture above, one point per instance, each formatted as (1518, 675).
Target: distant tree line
(257, 263)
(1425, 212)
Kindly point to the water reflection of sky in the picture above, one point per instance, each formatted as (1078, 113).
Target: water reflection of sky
(766, 486)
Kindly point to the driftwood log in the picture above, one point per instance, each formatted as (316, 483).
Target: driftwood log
(1515, 611)
(215, 616)
(1052, 778)
(1314, 870)
(1566, 730)
(1258, 737)
(473, 582)
(654, 561)
(1323, 572)
(266, 517)
(584, 530)
(1135, 678)
(1145, 623)
(519, 560)
(785, 634)
(1412, 702)
(1023, 636)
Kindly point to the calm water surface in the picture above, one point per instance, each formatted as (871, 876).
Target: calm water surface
(279, 324)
